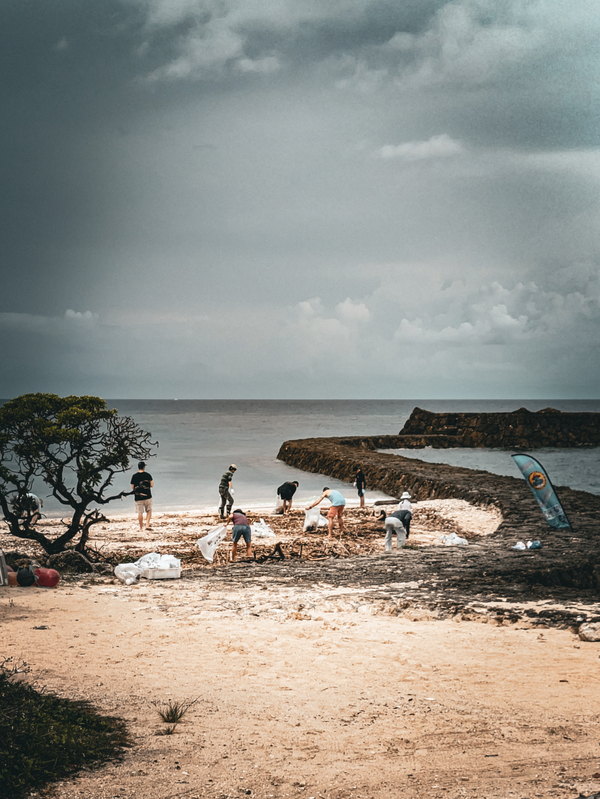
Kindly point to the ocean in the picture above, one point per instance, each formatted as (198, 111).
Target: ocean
(198, 439)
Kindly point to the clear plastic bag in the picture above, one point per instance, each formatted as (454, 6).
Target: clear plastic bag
(278, 505)
(311, 519)
(128, 573)
(209, 543)
(262, 530)
(454, 540)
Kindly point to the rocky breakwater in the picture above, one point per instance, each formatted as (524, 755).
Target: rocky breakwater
(517, 430)
(569, 560)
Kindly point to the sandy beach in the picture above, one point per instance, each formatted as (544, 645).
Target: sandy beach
(312, 679)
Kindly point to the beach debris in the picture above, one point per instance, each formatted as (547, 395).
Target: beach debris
(313, 520)
(128, 573)
(47, 578)
(154, 566)
(534, 545)
(590, 632)
(519, 545)
(208, 544)
(70, 562)
(276, 554)
(453, 540)
(261, 529)
(278, 505)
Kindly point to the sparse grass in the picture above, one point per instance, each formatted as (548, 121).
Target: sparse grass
(172, 711)
(167, 730)
(45, 738)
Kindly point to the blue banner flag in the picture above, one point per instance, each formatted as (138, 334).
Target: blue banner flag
(543, 490)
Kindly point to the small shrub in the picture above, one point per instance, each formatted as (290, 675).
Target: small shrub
(172, 712)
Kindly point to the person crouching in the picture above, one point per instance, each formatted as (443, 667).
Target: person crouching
(241, 528)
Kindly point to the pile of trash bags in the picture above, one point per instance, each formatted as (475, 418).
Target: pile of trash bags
(152, 566)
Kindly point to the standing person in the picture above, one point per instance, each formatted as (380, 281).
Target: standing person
(286, 491)
(241, 528)
(338, 503)
(361, 485)
(404, 512)
(141, 483)
(226, 491)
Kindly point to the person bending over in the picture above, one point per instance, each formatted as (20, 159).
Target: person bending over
(336, 511)
(241, 528)
(286, 492)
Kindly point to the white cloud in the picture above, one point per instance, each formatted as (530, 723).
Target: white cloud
(441, 146)
(87, 317)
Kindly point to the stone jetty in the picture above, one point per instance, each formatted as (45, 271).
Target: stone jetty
(568, 564)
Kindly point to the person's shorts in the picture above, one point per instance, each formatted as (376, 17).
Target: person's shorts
(239, 531)
(335, 510)
(143, 505)
(286, 497)
(361, 492)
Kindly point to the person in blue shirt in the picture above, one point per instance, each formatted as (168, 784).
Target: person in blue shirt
(336, 511)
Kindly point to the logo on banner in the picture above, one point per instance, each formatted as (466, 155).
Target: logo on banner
(537, 480)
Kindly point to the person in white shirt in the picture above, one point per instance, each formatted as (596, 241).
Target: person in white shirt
(399, 523)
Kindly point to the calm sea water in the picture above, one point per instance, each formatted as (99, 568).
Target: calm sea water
(198, 439)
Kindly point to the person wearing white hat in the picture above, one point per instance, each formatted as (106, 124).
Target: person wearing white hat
(399, 523)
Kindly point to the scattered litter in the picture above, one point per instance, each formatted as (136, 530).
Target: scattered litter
(128, 573)
(261, 529)
(452, 540)
(534, 545)
(519, 545)
(159, 567)
(152, 566)
(209, 543)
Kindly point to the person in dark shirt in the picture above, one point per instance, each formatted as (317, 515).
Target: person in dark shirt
(226, 491)
(241, 528)
(141, 485)
(361, 485)
(286, 492)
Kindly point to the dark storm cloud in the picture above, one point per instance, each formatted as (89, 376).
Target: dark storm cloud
(188, 186)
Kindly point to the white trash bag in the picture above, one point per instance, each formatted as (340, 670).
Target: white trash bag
(322, 521)
(278, 505)
(454, 540)
(262, 530)
(209, 543)
(155, 565)
(128, 573)
(311, 519)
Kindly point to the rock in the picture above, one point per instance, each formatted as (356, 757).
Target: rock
(70, 562)
(590, 632)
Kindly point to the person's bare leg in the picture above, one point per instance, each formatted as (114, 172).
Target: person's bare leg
(341, 523)
(141, 521)
(234, 552)
(330, 526)
(249, 549)
(148, 517)
(362, 501)
(286, 506)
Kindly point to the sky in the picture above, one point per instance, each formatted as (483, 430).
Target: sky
(300, 198)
